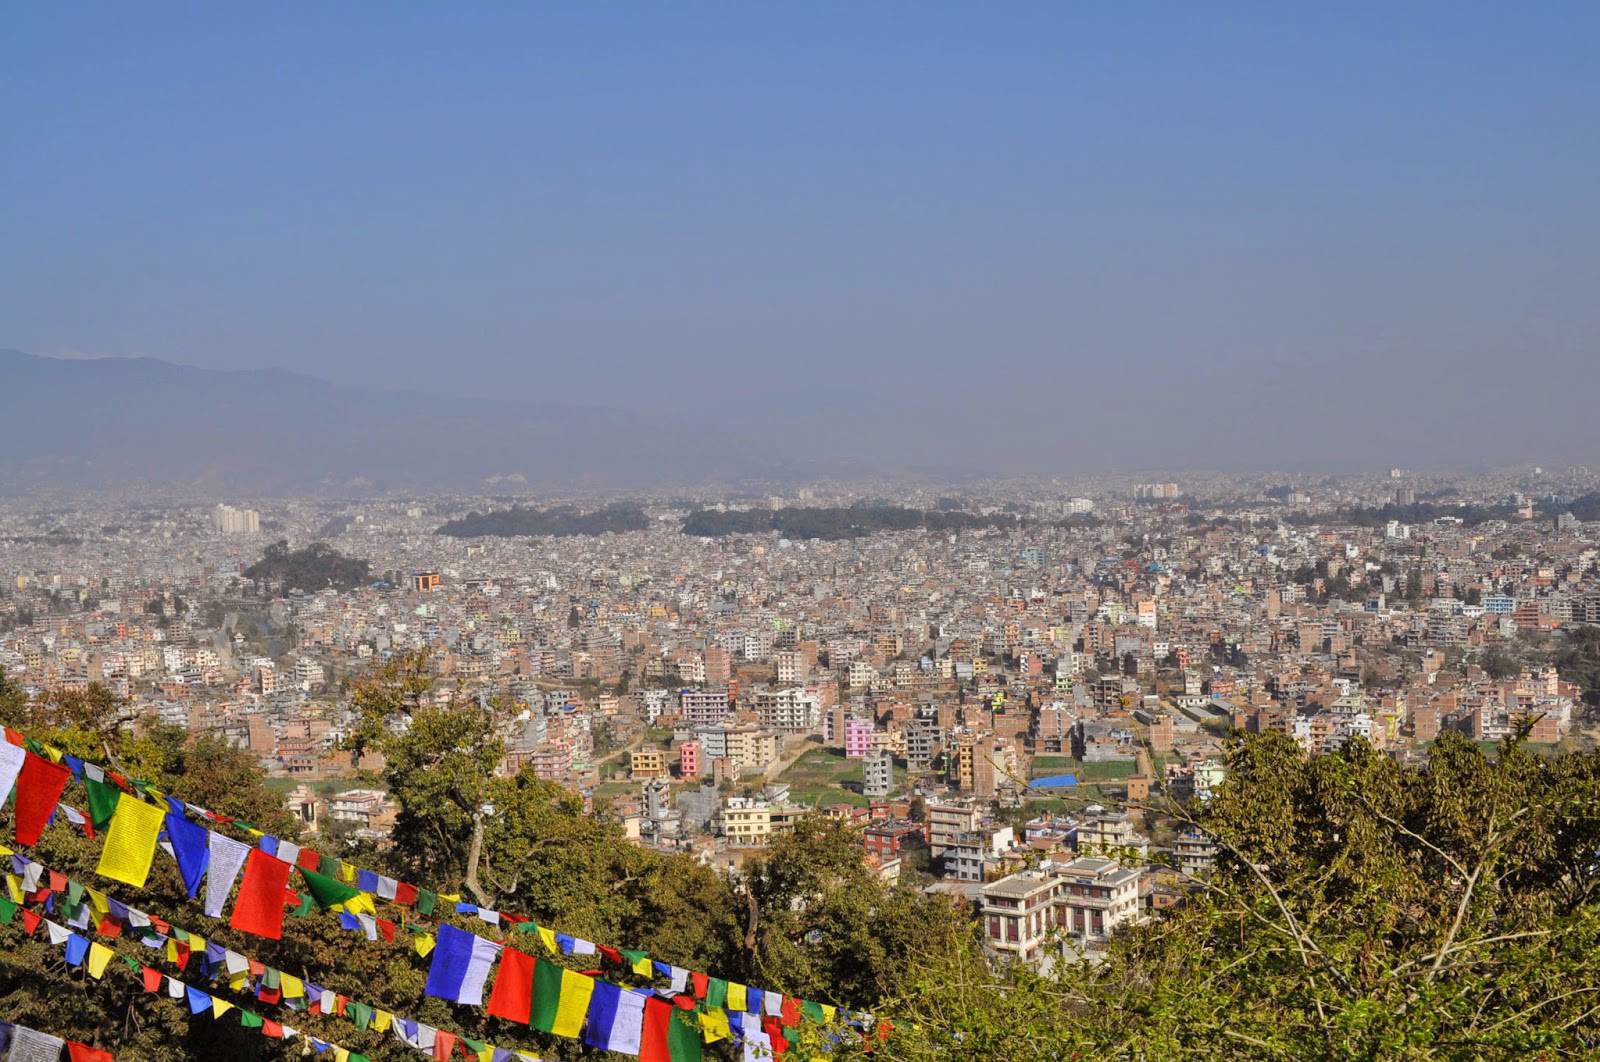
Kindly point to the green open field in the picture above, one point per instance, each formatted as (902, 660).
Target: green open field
(1086, 772)
(819, 775)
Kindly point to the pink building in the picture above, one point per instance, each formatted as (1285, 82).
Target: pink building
(689, 759)
(857, 738)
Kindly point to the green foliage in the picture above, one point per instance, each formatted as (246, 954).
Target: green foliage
(1360, 908)
(559, 521)
(316, 567)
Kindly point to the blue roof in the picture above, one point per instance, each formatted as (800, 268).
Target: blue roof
(1055, 781)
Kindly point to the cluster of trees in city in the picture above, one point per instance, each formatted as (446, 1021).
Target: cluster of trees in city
(835, 522)
(1421, 512)
(312, 568)
(557, 521)
(1360, 906)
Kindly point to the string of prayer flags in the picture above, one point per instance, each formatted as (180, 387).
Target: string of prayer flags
(258, 909)
(131, 842)
(616, 1017)
(461, 963)
(39, 789)
(135, 827)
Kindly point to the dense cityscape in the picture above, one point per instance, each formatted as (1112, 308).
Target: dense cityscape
(998, 710)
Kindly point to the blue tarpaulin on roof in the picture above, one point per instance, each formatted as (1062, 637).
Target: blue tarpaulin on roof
(1055, 781)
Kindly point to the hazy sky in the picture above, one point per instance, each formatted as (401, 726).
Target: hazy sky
(1085, 234)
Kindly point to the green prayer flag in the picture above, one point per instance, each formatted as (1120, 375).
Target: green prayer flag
(716, 993)
(270, 978)
(74, 891)
(326, 890)
(476, 1045)
(812, 1011)
(307, 906)
(103, 797)
(328, 865)
(249, 1019)
(362, 1015)
(546, 995)
(426, 901)
(8, 910)
(133, 964)
(684, 1043)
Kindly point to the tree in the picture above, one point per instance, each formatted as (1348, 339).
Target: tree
(1360, 908)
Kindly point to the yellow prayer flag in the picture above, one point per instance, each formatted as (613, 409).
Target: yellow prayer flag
(737, 998)
(487, 1054)
(361, 904)
(714, 1025)
(450, 897)
(98, 900)
(219, 1007)
(293, 987)
(381, 1020)
(172, 950)
(829, 1012)
(573, 1006)
(644, 967)
(347, 872)
(4, 851)
(99, 955)
(14, 888)
(423, 943)
(341, 1054)
(239, 980)
(53, 753)
(549, 938)
(131, 842)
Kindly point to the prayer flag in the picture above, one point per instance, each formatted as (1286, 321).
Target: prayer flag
(103, 797)
(11, 757)
(616, 1015)
(461, 962)
(227, 856)
(190, 848)
(77, 1052)
(131, 842)
(327, 891)
(512, 997)
(39, 788)
(560, 999)
(259, 908)
(668, 1036)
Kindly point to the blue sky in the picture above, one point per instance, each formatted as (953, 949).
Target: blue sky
(1329, 233)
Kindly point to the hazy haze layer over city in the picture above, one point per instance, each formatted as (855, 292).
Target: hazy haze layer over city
(635, 245)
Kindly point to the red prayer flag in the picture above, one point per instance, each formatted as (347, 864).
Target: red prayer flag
(39, 789)
(405, 894)
(152, 979)
(30, 922)
(58, 881)
(259, 908)
(271, 1028)
(444, 1045)
(700, 981)
(84, 1053)
(612, 954)
(110, 927)
(791, 1011)
(309, 860)
(653, 1037)
(512, 997)
(774, 1030)
(180, 951)
(269, 996)
(387, 928)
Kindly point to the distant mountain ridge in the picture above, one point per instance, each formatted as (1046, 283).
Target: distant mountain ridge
(103, 422)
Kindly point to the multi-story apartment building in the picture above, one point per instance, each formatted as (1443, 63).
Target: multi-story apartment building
(1085, 900)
